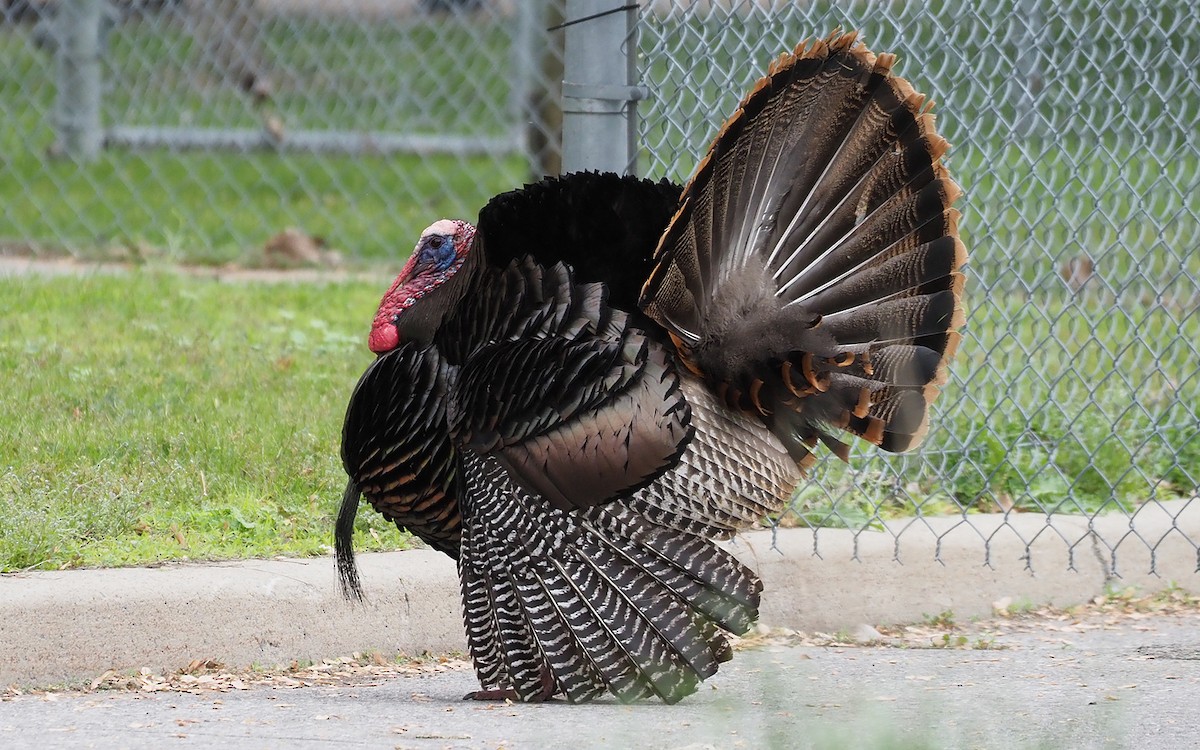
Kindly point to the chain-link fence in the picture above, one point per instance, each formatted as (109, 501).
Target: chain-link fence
(1077, 390)
(200, 129)
(1074, 132)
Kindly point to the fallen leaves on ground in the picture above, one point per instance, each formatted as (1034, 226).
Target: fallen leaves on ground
(1117, 610)
(207, 675)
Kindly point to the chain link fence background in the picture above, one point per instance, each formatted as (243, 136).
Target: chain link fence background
(226, 121)
(1076, 392)
(1074, 132)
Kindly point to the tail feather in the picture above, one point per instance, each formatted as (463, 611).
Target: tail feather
(480, 621)
(908, 218)
(718, 643)
(596, 661)
(343, 543)
(841, 211)
(812, 272)
(927, 268)
(503, 647)
(827, 147)
(573, 646)
(519, 645)
(894, 320)
(713, 582)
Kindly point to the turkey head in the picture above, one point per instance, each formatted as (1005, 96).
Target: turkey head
(438, 256)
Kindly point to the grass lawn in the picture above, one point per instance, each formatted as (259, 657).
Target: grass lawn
(152, 417)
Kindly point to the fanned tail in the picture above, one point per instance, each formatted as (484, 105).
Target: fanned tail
(812, 272)
(592, 601)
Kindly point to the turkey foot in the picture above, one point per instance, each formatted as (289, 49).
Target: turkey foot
(493, 694)
(508, 694)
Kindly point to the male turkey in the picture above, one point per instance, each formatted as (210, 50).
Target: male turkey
(577, 396)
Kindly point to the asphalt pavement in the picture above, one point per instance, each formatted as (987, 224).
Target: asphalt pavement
(1114, 683)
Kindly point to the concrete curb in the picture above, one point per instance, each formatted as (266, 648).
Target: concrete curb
(965, 566)
(73, 625)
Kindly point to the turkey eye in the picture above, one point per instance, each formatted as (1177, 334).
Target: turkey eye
(436, 242)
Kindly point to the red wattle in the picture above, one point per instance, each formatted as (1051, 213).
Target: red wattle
(383, 338)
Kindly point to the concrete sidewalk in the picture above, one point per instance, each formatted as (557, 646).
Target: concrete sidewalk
(72, 626)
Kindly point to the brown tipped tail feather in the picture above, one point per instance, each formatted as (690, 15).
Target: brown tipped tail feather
(812, 271)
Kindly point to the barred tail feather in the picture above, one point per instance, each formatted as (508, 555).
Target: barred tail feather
(652, 646)
(710, 580)
(520, 647)
(820, 227)
(580, 652)
(479, 619)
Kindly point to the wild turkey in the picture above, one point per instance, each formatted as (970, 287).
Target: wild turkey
(579, 395)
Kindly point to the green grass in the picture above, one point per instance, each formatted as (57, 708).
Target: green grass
(326, 72)
(153, 417)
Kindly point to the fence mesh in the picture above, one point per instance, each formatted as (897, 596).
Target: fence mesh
(1074, 132)
(227, 121)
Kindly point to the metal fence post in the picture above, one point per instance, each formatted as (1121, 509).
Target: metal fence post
(1029, 68)
(77, 109)
(526, 43)
(599, 92)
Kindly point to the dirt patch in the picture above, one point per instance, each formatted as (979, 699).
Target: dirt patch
(26, 266)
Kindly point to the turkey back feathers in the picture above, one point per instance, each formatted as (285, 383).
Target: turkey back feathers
(604, 226)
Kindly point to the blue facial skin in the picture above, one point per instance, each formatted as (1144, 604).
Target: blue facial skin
(437, 252)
